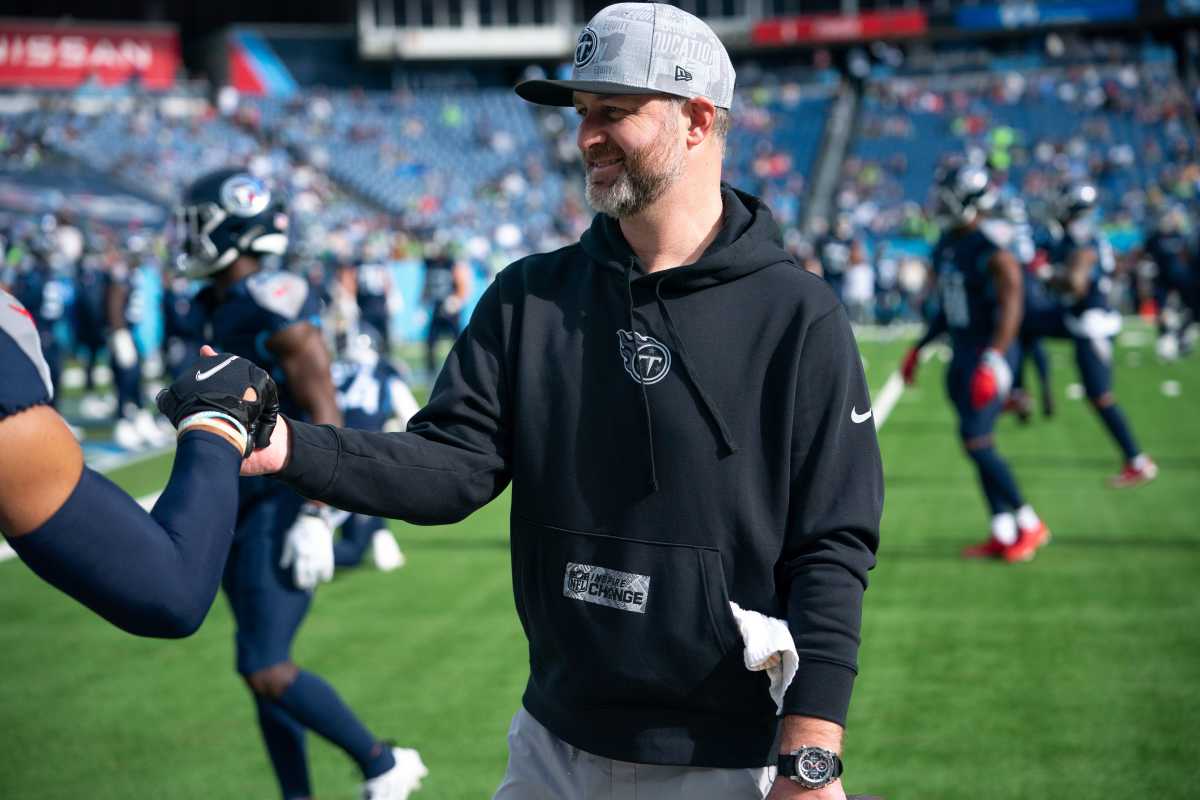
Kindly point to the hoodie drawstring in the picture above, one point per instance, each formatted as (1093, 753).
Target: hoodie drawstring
(641, 384)
(709, 406)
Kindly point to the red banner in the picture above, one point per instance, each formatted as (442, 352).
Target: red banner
(49, 55)
(837, 28)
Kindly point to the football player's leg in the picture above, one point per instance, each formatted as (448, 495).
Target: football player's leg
(267, 612)
(126, 375)
(1094, 359)
(1041, 363)
(278, 612)
(348, 551)
(975, 431)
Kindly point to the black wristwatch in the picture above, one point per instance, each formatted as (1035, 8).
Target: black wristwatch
(811, 767)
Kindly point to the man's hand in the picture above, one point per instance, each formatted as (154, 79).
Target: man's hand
(908, 367)
(271, 444)
(787, 789)
(225, 393)
(308, 550)
(992, 379)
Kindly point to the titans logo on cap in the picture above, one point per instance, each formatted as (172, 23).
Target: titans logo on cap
(585, 50)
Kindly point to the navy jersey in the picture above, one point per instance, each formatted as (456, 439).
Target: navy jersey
(1171, 254)
(42, 294)
(255, 309)
(1065, 245)
(965, 286)
(133, 309)
(26, 375)
(364, 393)
(834, 254)
(91, 319)
(439, 283)
(182, 316)
(372, 290)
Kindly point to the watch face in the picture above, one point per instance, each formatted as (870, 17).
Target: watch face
(814, 765)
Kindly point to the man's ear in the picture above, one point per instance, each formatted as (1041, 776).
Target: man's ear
(700, 116)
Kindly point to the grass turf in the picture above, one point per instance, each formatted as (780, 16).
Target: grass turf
(1060, 677)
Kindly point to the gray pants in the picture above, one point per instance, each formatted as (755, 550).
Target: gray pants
(543, 767)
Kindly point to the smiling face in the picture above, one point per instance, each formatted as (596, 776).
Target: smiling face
(633, 149)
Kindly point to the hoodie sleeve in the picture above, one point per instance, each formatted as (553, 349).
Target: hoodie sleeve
(833, 526)
(453, 458)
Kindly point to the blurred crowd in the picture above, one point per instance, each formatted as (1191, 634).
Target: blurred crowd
(477, 178)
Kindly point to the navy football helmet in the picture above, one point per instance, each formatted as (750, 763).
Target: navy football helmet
(1075, 200)
(964, 193)
(225, 214)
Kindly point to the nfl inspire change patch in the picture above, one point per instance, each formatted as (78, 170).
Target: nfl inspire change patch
(627, 591)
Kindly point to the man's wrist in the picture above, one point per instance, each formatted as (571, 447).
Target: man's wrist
(796, 731)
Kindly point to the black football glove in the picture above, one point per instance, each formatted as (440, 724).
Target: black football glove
(217, 383)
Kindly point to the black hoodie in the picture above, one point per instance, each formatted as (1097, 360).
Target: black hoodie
(675, 441)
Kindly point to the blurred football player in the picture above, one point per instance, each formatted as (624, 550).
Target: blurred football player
(838, 250)
(445, 294)
(135, 426)
(978, 285)
(1029, 342)
(91, 324)
(1083, 266)
(183, 323)
(1174, 255)
(283, 546)
(152, 574)
(38, 289)
(373, 396)
(375, 293)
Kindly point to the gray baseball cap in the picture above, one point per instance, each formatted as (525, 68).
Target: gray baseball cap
(642, 48)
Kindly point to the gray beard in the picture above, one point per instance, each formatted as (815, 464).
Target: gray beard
(648, 174)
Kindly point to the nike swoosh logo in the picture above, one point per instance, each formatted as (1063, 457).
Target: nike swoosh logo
(203, 376)
(858, 418)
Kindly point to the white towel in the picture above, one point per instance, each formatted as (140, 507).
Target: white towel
(769, 646)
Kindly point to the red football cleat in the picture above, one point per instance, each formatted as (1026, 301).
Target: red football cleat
(1135, 474)
(1027, 544)
(992, 548)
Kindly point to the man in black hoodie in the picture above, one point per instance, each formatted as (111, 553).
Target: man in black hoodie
(682, 413)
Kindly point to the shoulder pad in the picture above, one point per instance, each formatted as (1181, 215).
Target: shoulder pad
(998, 231)
(18, 324)
(281, 293)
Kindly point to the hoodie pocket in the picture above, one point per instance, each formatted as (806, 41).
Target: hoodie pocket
(613, 620)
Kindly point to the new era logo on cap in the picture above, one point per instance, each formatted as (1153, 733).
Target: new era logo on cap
(642, 48)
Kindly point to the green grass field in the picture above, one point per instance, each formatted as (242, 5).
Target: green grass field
(1073, 676)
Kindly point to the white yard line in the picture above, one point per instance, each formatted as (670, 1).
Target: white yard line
(887, 398)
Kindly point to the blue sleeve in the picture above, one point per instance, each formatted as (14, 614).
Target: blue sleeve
(937, 326)
(149, 574)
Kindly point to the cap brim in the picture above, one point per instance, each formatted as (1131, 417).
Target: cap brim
(561, 93)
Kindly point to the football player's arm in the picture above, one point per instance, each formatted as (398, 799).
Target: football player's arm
(305, 361)
(150, 574)
(120, 339)
(1079, 271)
(453, 459)
(831, 537)
(1006, 277)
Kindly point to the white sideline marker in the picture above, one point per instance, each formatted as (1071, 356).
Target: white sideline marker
(887, 398)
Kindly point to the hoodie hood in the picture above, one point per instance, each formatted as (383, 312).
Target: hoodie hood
(749, 240)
